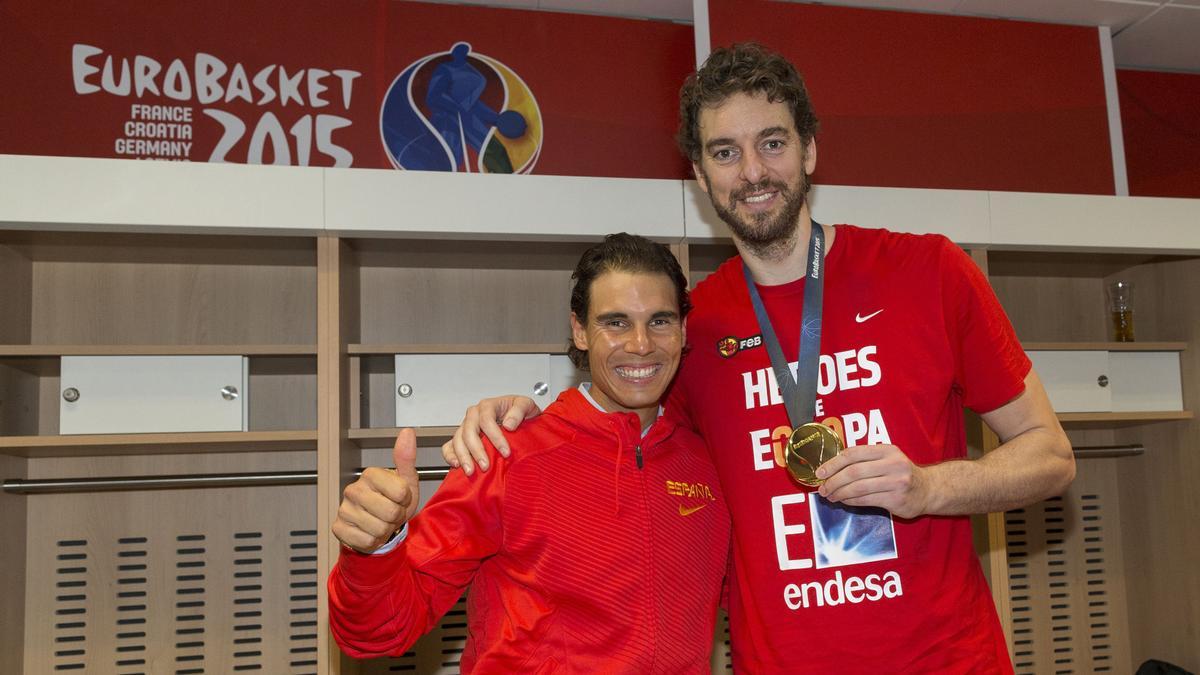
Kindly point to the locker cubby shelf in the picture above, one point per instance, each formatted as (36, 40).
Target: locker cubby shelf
(1124, 418)
(156, 350)
(1111, 418)
(282, 384)
(1107, 346)
(110, 444)
(527, 348)
(384, 436)
(1056, 301)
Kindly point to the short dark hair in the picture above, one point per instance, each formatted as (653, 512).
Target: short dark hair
(621, 252)
(746, 68)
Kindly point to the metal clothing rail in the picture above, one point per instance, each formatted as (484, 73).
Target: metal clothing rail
(1091, 451)
(212, 480)
(215, 480)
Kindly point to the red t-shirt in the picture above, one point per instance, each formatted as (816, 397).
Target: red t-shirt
(912, 333)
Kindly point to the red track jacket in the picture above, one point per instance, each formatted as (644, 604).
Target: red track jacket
(579, 559)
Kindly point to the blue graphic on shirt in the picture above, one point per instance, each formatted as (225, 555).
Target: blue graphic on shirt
(849, 535)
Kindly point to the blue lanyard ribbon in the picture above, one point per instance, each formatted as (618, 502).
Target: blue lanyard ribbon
(799, 392)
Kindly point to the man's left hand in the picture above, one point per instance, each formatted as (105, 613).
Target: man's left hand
(876, 475)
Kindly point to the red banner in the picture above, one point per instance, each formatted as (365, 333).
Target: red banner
(365, 84)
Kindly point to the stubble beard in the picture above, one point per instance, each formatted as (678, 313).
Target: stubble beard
(766, 236)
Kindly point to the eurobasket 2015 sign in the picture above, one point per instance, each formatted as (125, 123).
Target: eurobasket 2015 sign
(206, 84)
(403, 85)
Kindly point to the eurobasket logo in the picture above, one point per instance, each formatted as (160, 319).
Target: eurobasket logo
(461, 111)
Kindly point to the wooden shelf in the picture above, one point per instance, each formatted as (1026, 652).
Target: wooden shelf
(1107, 346)
(92, 444)
(157, 350)
(1124, 417)
(385, 436)
(406, 348)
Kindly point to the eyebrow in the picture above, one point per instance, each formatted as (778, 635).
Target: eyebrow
(765, 133)
(610, 316)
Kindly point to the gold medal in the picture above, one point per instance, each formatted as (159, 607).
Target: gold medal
(810, 446)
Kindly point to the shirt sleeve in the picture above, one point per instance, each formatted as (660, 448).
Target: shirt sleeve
(381, 604)
(990, 364)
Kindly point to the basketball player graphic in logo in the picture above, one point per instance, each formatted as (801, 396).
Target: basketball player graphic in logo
(461, 111)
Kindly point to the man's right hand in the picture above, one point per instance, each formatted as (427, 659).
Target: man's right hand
(465, 449)
(381, 501)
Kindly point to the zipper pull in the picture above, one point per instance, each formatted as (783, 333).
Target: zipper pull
(639, 456)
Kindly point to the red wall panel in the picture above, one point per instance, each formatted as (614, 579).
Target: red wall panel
(1160, 120)
(936, 101)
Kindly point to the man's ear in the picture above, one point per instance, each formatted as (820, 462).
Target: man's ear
(578, 333)
(810, 156)
(701, 178)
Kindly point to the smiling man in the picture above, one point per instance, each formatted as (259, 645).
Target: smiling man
(817, 336)
(600, 549)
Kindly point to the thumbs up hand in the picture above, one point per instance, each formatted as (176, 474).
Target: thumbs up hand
(376, 505)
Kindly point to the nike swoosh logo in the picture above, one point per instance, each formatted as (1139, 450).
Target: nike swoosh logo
(859, 318)
(690, 510)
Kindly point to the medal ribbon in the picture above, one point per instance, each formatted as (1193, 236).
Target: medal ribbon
(799, 392)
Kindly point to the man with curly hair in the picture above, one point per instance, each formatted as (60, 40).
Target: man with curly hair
(864, 564)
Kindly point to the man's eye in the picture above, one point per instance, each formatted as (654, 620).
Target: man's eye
(723, 155)
(773, 145)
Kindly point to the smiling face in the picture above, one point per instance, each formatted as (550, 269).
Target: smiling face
(633, 335)
(754, 168)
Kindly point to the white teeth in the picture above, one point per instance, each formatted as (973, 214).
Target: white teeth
(633, 373)
(760, 198)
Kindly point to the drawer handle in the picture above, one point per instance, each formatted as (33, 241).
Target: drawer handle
(405, 390)
(540, 388)
(229, 392)
(70, 394)
(1102, 380)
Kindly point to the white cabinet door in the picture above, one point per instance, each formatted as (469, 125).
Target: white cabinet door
(435, 389)
(152, 394)
(1076, 381)
(1144, 381)
(1119, 381)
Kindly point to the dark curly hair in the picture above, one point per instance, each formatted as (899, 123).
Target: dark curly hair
(621, 252)
(747, 68)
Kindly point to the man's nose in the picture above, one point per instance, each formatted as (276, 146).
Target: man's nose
(753, 169)
(639, 341)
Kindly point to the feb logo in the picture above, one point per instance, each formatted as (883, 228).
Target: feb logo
(461, 111)
(730, 346)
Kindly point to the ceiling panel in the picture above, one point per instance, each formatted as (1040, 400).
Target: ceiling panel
(933, 6)
(1169, 40)
(517, 4)
(1079, 12)
(671, 10)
